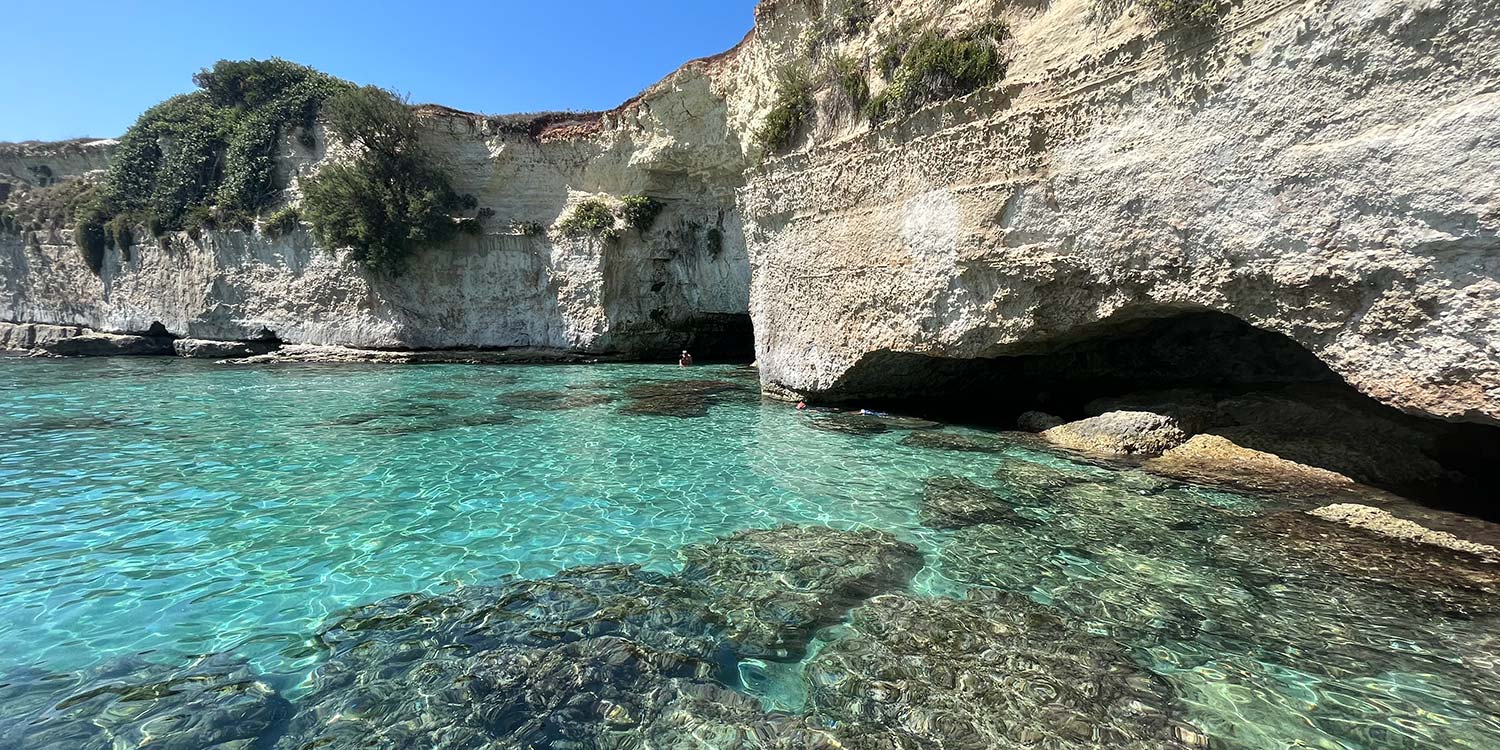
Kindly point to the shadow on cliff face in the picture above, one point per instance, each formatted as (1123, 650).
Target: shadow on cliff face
(1213, 374)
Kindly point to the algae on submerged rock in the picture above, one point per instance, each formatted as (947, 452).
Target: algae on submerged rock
(992, 670)
(955, 502)
(774, 587)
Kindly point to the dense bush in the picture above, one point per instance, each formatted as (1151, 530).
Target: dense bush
(856, 17)
(1185, 12)
(90, 237)
(215, 146)
(390, 199)
(790, 112)
(936, 67)
(282, 222)
(640, 211)
(850, 78)
(590, 218)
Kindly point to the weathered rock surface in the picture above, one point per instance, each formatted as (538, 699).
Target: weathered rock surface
(206, 349)
(1119, 433)
(955, 502)
(96, 344)
(992, 671)
(214, 703)
(1382, 522)
(24, 336)
(1036, 421)
(1126, 170)
(774, 587)
(1217, 460)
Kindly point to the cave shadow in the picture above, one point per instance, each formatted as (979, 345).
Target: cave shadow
(1216, 375)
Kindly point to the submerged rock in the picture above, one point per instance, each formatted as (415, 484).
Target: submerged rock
(849, 424)
(1119, 433)
(677, 398)
(216, 702)
(554, 400)
(608, 692)
(955, 502)
(774, 587)
(948, 441)
(507, 666)
(1027, 482)
(1378, 521)
(992, 671)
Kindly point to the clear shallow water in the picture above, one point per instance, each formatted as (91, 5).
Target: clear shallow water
(177, 508)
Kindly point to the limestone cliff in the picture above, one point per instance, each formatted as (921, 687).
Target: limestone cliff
(1324, 170)
(516, 284)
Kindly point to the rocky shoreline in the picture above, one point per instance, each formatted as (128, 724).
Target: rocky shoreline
(43, 340)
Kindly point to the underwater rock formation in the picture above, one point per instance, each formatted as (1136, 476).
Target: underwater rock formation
(774, 587)
(681, 398)
(993, 670)
(955, 502)
(1378, 521)
(948, 441)
(554, 400)
(490, 664)
(1027, 482)
(215, 703)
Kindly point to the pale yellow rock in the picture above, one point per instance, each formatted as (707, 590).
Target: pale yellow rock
(1382, 522)
(1213, 459)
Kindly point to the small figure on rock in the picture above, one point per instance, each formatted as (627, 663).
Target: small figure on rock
(686, 360)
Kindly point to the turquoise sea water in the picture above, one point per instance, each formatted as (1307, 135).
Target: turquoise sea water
(174, 508)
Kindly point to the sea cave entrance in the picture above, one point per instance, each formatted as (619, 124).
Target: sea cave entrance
(723, 337)
(1215, 374)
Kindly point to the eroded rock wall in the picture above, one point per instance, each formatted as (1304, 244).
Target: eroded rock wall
(1325, 170)
(646, 291)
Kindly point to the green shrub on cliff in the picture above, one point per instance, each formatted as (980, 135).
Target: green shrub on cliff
(90, 237)
(590, 218)
(936, 67)
(391, 198)
(640, 211)
(282, 222)
(850, 78)
(1185, 12)
(214, 147)
(792, 109)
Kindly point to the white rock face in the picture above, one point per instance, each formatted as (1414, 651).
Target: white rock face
(1325, 170)
(641, 292)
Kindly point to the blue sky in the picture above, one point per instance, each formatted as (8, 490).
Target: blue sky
(89, 68)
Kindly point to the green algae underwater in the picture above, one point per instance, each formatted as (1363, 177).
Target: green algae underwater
(621, 556)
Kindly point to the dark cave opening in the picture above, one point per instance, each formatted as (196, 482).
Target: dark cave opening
(1215, 374)
(723, 337)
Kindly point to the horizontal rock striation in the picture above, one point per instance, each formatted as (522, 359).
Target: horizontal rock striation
(1318, 171)
(1321, 170)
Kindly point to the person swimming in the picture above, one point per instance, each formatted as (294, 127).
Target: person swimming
(685, 360)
